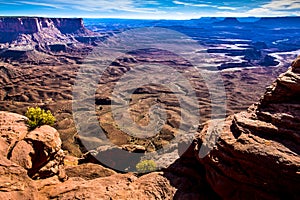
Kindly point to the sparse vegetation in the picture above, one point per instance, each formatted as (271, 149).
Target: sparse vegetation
(146, 166)
(37, 117)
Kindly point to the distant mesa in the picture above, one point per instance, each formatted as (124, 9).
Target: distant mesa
(12, 28)
(229, 21)
(260, 45)
(208, 19)
(30, 25)
(248, 19)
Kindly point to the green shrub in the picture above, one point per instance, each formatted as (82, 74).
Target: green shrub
(146, 166)
(37, 117)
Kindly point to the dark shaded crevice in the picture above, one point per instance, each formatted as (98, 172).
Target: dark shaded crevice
(9, 155)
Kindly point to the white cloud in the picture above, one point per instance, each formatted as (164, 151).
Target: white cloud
(96, 5)
(9, 3)
(191, 4)
(225, 8)
(204, 5)
(276, 8)
(152, 3)
(40, 4)
(273, 8)
(282, 5)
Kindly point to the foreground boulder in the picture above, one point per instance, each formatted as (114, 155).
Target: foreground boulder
(257, 154)
(88, 171)
(38, 151)
(117, 186)
(46, 143)
(12, 130)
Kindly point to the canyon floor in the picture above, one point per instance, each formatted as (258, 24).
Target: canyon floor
(25, 85)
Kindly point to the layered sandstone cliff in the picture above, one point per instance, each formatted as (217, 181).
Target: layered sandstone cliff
(30, 25)
(257, 154)
(36, 39)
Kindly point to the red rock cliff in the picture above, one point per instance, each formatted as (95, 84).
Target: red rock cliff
(19, 25)
(257, 154)
(29, 25)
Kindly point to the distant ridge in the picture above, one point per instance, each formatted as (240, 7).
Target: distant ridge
(208, 19)
(229, 20)
(280, 20)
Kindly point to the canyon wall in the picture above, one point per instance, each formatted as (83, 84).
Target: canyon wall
(30, 25)
(257, 154)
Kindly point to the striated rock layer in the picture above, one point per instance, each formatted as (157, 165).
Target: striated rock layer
(39, 40)
(29, 25)
(257, 154)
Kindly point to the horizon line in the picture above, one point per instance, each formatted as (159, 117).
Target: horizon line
(132, 18)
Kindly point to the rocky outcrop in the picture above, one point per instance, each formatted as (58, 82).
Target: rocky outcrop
(257, 154)
(30, 25)
(38, 151)
(12, 130)
(14, 182)
(88, 171)
(118, 186)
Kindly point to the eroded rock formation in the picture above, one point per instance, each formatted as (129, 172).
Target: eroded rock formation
(257, 154)
(38, 151)
(36, 39)
(30, 25)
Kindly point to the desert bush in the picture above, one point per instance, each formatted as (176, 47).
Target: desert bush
(146, 166)
(38, 117)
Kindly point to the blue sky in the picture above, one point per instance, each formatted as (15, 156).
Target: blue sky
(150, 9)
